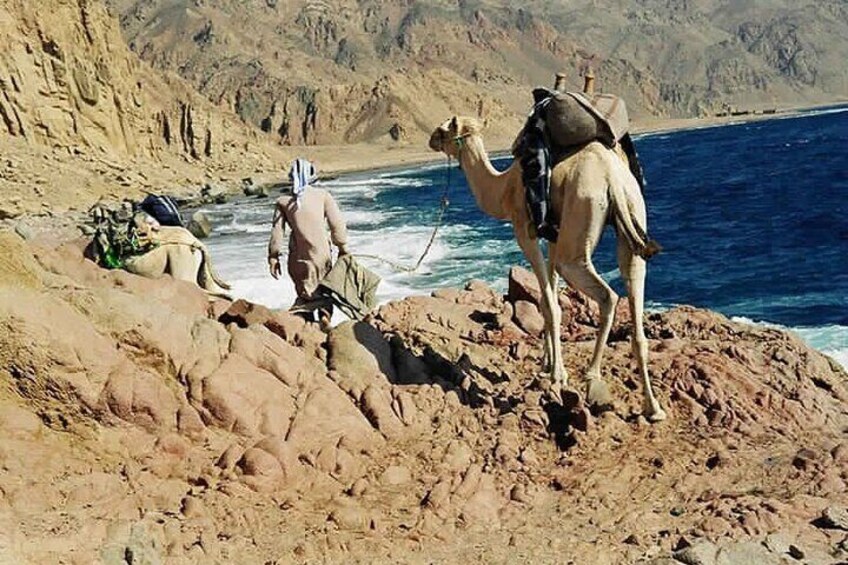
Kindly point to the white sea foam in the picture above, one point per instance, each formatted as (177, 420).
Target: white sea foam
(829, 339)
(399, 235)
(415, 168)
(612, 275)
(263, 289)
(236, 227)
(840, 355)
(355, 218)
(246, 269)
(823, 111)
(346, 185)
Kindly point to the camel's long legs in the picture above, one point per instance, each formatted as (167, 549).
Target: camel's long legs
(556, 315)
(583, 276)
(633, 272)
(533, 252)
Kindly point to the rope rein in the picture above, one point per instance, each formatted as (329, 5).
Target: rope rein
(439, 222)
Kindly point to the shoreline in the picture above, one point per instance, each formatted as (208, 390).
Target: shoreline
(60, 222)
(62, 226)
(646, 126)
(680, 124)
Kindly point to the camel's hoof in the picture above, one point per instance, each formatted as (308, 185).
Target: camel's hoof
(561, 378)
(657, 415)
(553, 392)
(598, 395)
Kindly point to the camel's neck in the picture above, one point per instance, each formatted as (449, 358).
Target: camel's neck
(486, 183)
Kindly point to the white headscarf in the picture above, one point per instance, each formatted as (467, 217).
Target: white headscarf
(302, 174)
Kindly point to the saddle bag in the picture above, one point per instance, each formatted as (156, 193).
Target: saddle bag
(573, 118)
(164, 209)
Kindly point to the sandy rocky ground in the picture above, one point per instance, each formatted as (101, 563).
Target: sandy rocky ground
(140, 423)
(143, 424)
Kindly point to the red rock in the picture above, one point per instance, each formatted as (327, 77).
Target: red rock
(285, 455)
(528, 318)
(112, 365)
(523, 285)
(244, 314)
(376, 405)
(259, 462)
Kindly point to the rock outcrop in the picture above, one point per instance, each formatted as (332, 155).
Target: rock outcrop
(139, 419)
(68, 81)
(82, 117)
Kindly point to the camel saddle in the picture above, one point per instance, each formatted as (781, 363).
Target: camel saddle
(573, 119)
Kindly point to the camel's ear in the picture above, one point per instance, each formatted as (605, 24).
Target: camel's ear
(454, 125)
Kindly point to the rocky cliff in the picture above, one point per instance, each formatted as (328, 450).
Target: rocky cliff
(349, 70)
(76, 105)
(141, 423)
(66, 80)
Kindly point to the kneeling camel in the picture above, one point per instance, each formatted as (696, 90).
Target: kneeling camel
(173, 253)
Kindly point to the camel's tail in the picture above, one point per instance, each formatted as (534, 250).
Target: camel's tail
(207, 273)
(629, 226)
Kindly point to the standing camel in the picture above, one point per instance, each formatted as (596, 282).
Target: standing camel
(588, 187)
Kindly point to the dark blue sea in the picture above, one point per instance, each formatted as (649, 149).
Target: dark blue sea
(753, 218)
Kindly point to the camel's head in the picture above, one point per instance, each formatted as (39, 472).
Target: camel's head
(449, 137)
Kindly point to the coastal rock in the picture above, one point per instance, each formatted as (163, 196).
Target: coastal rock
(523, 285)
(250, 188)
(135, 403)
(528, 317)
(199, 225)
(83, 120)
(835, 517)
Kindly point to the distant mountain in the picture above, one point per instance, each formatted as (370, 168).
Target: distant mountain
(318, 72)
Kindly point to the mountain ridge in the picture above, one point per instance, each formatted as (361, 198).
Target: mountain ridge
(281, 64)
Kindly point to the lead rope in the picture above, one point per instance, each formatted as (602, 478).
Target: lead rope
(439, 222)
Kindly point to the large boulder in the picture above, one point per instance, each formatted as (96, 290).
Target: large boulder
(199, 225)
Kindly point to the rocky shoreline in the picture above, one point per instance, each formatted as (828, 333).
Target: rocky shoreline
(140, 419)
(33, 211)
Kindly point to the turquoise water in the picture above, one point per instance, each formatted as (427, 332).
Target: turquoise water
(752, 218)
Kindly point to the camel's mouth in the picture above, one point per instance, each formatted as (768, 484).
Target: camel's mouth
(437, 140)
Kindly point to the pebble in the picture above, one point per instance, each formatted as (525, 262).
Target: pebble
(835, 517)
(359, 487)
(519, 494)
(776, 543)
(796, 552)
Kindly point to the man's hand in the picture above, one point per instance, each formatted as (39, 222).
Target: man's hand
(274, 267)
